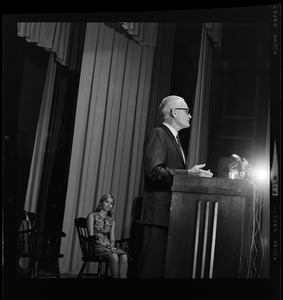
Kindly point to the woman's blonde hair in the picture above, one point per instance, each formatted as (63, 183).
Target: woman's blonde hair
(102, 199)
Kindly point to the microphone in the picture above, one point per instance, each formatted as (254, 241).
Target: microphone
(236, 161)
(233, 165)
(236, 157)
(240, 165)
(245, 163)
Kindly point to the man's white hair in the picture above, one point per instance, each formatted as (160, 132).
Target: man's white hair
(168, 103)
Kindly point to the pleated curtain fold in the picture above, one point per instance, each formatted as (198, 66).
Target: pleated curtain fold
(31, 200)
(143, 33)
(197, 152)
(51, 36)
(109, 132)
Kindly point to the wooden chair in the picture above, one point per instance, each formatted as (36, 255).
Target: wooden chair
(49, 255)
(26, 243)
(36, 249)
(87, 249)
(123, 244)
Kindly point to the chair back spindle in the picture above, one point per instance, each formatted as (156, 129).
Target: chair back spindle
(87, 246)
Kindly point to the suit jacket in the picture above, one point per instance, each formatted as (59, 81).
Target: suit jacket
(162, 158)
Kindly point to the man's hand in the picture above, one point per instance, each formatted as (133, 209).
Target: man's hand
(197, 171)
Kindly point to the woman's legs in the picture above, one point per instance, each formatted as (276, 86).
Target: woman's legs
(123, 266)
(114, 264)
(118, 265)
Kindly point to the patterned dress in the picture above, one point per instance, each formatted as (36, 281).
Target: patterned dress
(102, 227)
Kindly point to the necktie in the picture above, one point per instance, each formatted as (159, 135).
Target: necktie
(180, 147)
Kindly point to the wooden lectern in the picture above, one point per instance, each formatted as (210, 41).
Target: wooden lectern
(211, 228)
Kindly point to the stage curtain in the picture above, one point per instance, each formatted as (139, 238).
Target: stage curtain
(63, 47)
(143, 33)
(109, 132)
(40, 138)
(197, 152)
(51, 36)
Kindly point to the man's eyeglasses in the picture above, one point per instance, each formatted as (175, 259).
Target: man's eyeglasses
(185, 109)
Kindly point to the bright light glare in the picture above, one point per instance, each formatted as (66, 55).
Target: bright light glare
(261, 174)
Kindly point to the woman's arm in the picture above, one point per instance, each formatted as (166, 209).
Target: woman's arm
(112, 234)
(89, 224)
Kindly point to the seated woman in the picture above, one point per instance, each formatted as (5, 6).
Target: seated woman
(102, 224)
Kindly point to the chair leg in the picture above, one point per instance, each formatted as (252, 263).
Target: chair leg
(82, 269)
(99, 269)
(32, 272)
(58, 274)
(35, 269)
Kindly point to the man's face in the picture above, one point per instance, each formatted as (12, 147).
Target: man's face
(182, 115)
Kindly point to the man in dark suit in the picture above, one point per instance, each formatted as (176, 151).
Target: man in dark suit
(163, 156)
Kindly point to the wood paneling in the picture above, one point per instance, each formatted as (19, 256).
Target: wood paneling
(211, 228)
